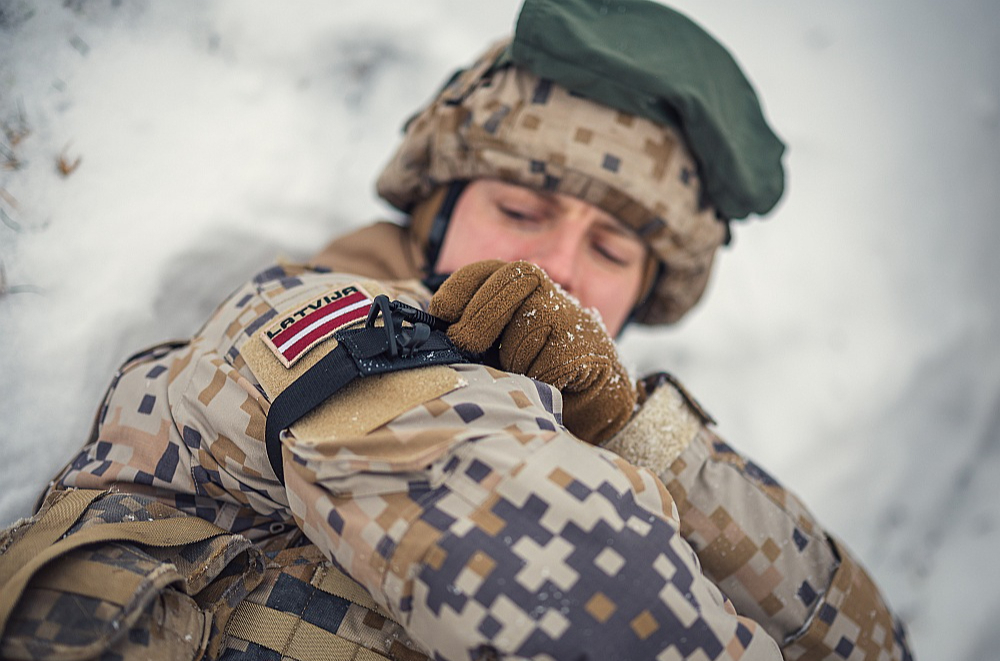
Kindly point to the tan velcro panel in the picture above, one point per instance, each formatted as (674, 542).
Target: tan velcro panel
(360, 407)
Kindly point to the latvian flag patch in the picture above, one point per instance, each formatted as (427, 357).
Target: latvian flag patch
(301, 329)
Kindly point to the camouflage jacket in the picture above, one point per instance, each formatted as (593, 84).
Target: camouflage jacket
(455, 497)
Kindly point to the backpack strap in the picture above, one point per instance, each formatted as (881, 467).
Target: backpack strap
(45, 541)
(51, 525)
(359, 630)
(293, 637)
(339, 584)
(45, 554)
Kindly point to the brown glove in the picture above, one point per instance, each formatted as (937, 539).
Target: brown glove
(543, 333)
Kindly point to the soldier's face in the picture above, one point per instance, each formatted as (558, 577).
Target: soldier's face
(592, 255)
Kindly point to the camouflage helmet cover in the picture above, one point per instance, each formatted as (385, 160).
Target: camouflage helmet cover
(498, 121)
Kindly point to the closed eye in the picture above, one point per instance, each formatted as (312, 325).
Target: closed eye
(611, 255)
(521, 216)
(617, 247)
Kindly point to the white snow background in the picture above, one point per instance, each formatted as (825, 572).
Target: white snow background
(849, 342)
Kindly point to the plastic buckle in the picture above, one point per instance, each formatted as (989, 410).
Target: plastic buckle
(400, 340)
(381, 307)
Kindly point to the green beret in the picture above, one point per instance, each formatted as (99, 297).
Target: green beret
(646, 59)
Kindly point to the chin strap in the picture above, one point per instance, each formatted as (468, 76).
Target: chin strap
(407, 338)
(439, 226)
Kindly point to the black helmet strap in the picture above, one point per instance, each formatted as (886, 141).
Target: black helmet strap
(439, 226)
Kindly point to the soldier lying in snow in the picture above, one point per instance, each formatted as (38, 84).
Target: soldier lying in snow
(327, 470)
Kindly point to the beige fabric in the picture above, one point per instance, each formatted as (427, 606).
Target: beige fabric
(852, 609)
(513, 506)
(300, 584)
(170, 532)
(109, 555)
(373, 401)
(359, 407)
(24, 543)
(273, 375)
(341, 585)
(659, 433)
(505, 123)
(90, 579)
(294, 637)
(382, 250)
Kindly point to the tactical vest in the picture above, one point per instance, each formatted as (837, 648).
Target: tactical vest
(108, 575)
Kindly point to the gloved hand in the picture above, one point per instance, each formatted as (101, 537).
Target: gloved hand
(543, 333)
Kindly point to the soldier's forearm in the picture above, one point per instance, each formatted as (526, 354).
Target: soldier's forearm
(758, 542)
(769, 554)
(518, 538)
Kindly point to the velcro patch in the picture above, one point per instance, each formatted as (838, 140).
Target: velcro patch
(301, 329)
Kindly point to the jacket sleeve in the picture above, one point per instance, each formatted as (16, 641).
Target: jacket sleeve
(516, 540)
(758, 542)
(451, 493)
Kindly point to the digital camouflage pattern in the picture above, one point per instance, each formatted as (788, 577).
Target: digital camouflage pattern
(120, 599)
(315, 612)
(215, 598)
(504, 122)
(491, 540)
(758, 542)
(472, 518)
(813, 596)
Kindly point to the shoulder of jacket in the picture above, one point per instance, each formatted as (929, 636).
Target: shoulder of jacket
(283, 294)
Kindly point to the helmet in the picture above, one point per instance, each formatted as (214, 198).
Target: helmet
(498, 119)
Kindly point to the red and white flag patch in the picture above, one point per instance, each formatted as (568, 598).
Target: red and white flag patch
(301, 329)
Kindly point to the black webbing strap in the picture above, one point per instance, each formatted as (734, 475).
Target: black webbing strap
(439, 226)
(360, 352)
(334, 371)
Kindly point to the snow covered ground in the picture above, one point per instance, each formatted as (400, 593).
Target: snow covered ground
(849, 342)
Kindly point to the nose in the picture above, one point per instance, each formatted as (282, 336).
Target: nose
(558, 258)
